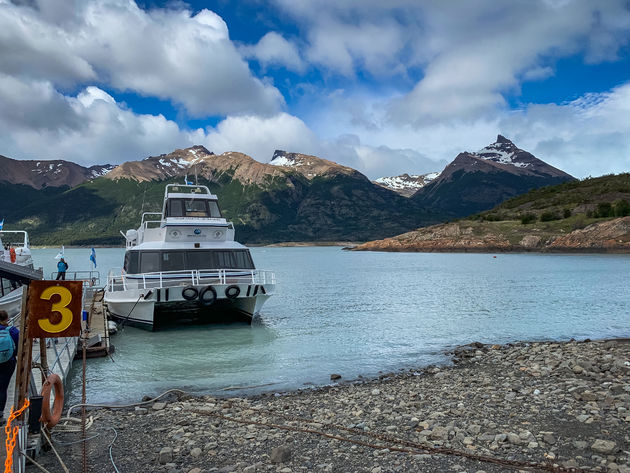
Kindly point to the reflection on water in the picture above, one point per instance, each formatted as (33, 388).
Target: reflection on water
(361, 313)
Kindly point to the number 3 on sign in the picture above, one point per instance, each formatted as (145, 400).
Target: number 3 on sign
(54, 309)
(60, 306)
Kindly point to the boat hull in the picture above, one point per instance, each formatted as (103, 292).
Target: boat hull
(167, 306)
(12, 302)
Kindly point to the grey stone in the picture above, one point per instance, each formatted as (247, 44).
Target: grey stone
(281, 454)
(439, 433)
(603, 446)
(514, 438)
(195, 452)
(141, 410)
(158, 406)
(335, 377)
(549, 438)
(165, 456)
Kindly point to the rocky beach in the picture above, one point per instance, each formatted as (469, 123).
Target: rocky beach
(541, 406)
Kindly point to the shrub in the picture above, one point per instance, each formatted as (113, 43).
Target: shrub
(604, 209)
(566, 213)
(495, 217)
(528, 218)
(548, 216)
(621, 208)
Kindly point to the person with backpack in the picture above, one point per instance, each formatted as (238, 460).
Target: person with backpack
(9, 338)
(62, 267)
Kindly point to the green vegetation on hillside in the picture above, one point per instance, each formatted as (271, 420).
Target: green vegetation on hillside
(283, 208)
(567, 206)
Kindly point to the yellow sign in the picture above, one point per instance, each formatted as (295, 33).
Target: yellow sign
(54, 309)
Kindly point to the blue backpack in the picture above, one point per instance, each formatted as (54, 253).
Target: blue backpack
(7, 345)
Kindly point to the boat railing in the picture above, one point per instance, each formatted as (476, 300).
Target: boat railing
(21, 242)
(118, 280)
(146, 220)
(89, 278)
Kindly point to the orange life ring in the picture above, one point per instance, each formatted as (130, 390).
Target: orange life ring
(50, 419)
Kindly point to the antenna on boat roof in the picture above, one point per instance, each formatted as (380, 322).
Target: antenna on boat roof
(196, 181)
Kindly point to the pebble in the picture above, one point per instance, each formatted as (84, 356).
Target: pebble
(603, 446)
(165, 456)
(280, 454)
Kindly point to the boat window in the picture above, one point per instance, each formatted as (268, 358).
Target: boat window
(154, 261)
(174, 208)
(192, 208)
(173, 261)
(214, 209)
(6, 286)
(219, 259)
(149, 262)
(131, 262)
(196, 208)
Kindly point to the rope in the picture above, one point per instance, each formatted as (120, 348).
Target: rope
(109, 406)
(415, 448)
(34, 462)
(111, 458)
(63, 465)
(11, 433)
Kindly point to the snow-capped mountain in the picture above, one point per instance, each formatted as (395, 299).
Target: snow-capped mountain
(478, 181)
(48, 173)
(308, 165)
(99, 170)
(406, 184)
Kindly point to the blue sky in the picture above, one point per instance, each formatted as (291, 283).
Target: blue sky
(384, 87)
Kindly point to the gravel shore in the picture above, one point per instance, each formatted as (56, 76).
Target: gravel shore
(544, 406)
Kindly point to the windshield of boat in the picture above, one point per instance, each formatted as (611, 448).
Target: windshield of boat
(203, 208)
(181, 260)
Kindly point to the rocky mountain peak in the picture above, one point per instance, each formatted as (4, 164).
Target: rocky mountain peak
(503, 151)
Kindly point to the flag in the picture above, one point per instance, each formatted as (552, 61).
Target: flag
(186, 181)
(1, 224)
(93, 257)
(61, 253)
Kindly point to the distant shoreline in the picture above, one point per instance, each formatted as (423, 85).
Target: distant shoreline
(253, 245)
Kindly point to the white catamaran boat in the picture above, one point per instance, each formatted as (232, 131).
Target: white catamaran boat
(186, 266)
(14, 249)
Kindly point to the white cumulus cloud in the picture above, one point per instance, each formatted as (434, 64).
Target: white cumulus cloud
(170, 54)
(274, 50)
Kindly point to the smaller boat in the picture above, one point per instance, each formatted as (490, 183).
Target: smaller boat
(14, 249)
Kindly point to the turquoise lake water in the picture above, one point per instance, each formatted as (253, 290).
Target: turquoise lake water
(360, 314)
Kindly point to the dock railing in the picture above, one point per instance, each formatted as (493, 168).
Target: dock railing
(117, 280)
(89, 278)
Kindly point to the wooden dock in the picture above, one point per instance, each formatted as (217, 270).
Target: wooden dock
(58, 355)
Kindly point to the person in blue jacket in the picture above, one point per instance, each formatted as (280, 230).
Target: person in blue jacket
(62, 267)
(8, 352)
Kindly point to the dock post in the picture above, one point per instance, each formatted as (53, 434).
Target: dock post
(22, 379)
